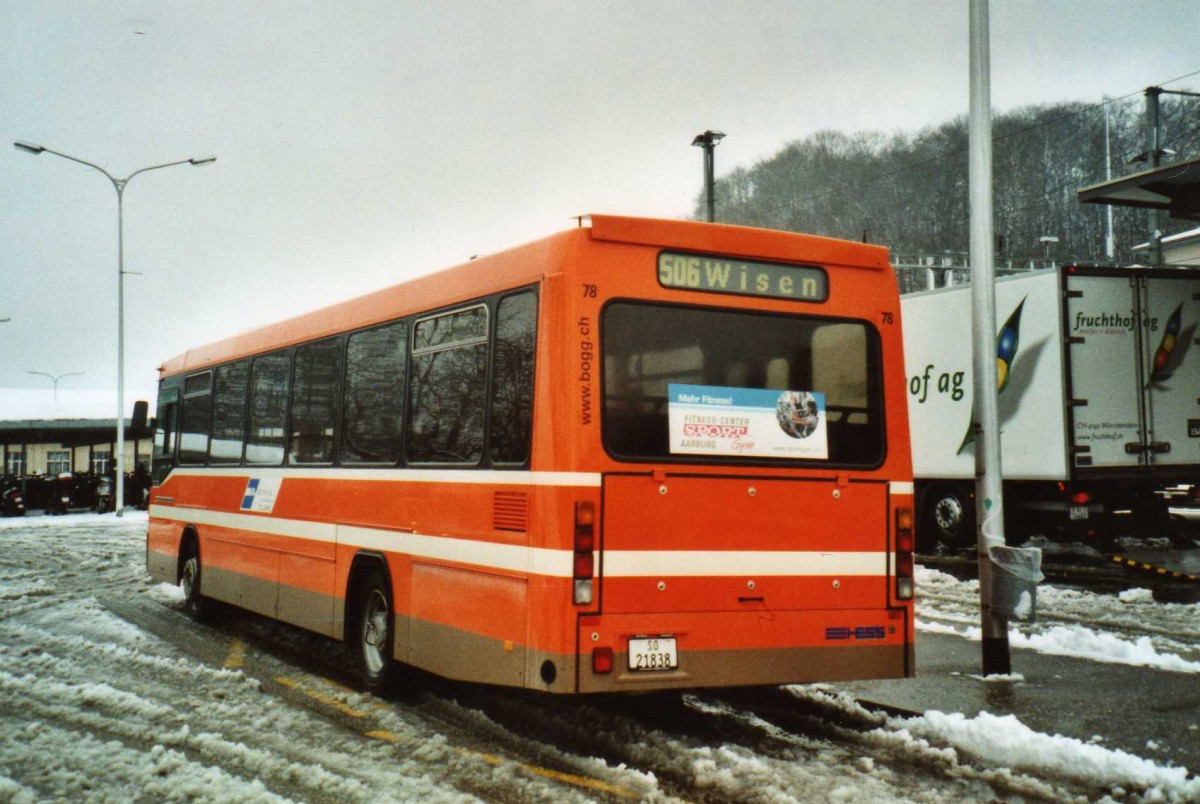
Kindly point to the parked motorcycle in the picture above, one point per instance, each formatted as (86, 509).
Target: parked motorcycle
(60, 493)
(104, 494)
(11, 501)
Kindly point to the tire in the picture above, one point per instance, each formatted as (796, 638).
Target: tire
(195, 604)
(373, 633)
(948, 516)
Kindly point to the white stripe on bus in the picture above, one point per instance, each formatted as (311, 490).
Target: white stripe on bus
(543, 561)
(493, 477)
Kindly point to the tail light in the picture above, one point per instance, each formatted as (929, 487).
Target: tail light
(1081, 498)
(905, 542)
(602, 660)
(584, 565)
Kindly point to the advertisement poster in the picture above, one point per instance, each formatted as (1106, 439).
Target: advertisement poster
(746, 422)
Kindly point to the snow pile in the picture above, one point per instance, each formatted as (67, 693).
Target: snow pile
(1085, 643)
(1078, 642)
(1136, 629)
(1006, 742)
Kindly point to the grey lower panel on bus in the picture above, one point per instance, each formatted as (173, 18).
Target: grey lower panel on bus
(454, 653)
(162, 567)
(459, 654)
(759, 667)
(245, 591)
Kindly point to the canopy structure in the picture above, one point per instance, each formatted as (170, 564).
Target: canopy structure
(67, 432)
(1174, 188)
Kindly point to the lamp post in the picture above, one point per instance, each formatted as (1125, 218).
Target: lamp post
(708, 141)
(1046, 242)
(54, 379)
(119, 186)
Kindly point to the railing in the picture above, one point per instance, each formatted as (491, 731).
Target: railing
(917, 272)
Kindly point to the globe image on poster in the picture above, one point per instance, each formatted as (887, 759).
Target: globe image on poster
(797, 413)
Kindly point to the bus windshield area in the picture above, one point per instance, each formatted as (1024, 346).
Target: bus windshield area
(701, 385)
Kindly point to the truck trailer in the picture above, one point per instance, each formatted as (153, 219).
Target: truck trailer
(1099, 402)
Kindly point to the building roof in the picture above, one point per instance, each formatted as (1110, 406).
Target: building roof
(68, 432)
(1174, 187)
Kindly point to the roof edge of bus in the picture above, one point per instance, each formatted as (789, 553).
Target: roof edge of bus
(745, 241)
(370, 308)
(502, 267)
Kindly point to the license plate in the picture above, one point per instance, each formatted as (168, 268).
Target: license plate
(653, 653)
(1077, 512)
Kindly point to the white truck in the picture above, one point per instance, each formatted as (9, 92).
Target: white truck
(1099, 377)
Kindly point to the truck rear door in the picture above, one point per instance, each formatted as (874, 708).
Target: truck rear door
(1172, 368)
(1134, 373)
(1104, 371)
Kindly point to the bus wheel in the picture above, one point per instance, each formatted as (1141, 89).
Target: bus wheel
(194, 603)
(373, 633)
(949, 515)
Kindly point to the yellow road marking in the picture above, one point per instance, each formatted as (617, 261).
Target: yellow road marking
(386, 736)
(321, 697)
(236, 656)
(558, 776)
(394, 739)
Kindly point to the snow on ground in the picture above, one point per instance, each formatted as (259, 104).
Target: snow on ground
(95, 707)
(1130, 628)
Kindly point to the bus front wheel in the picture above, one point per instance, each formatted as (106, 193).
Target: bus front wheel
(373, 633)
(194, 603)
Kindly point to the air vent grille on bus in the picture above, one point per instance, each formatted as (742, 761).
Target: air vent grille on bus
(510, 510)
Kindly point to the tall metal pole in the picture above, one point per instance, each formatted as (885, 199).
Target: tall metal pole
(708, 141)
(1110, 243)
(119, 495)
(710, 183)
(989, 496)
(119, 186)
(1153, 157)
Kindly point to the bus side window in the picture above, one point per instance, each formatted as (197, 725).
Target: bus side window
(448, 386)
(512, 382)
(196, 420)
(315, 402)
(164, 435)
(229, 414)
(268, 408)
(373, 404)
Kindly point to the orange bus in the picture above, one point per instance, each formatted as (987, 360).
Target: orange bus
(636, 455)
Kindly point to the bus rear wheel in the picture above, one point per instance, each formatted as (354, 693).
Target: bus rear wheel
(373, 633)
(194, 603)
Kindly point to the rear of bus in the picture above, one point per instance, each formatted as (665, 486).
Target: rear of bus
(740, 393)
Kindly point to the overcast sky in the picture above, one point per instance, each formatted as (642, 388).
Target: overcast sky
(362, 143)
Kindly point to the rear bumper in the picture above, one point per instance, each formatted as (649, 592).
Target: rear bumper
(734, 649)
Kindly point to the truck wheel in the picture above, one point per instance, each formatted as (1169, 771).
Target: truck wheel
(949, 515)
(373, 633)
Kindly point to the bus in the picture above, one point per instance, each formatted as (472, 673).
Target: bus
(636, 455)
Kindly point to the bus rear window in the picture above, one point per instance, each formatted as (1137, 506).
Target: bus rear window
(707, 385)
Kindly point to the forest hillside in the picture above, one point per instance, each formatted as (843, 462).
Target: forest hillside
(908, 191)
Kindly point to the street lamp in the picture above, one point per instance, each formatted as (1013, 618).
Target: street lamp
(708, 141)
(55, 378)
(119, 186)
(1047, 241)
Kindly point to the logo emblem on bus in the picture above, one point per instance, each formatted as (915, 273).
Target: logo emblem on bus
(261, 493)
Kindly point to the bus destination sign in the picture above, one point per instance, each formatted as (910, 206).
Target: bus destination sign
(742, 277)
